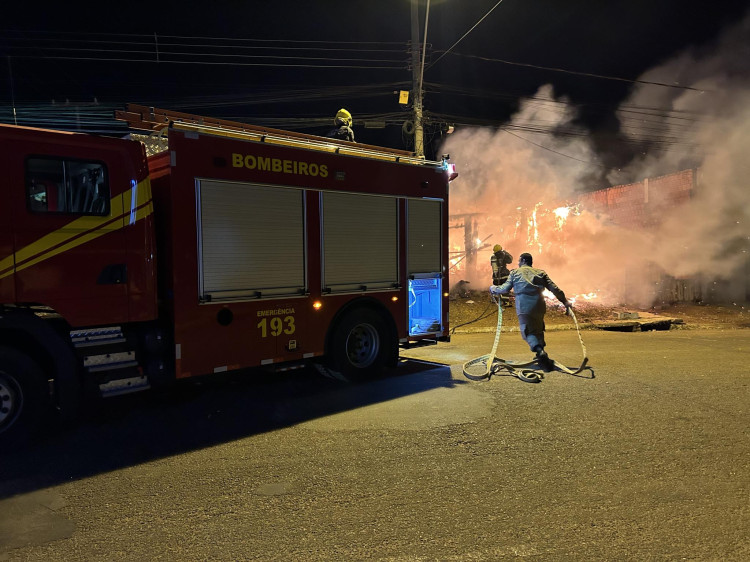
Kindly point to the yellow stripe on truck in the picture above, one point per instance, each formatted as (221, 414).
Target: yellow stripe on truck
(83, 230)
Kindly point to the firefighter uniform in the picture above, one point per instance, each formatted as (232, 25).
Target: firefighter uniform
(499, 262)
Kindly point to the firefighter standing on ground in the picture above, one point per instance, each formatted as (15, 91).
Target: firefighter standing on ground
(343, 126)
(528, 283)
(499, 262)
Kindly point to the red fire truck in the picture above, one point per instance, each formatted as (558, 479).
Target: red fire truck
(234, 247)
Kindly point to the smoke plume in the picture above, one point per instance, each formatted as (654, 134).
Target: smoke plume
(511, 181)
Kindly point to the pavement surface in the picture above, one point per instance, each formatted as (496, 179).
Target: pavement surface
(646, 456)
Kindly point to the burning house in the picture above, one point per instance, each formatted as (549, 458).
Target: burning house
(627, 244)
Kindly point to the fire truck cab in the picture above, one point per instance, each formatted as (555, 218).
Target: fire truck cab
(234, 247)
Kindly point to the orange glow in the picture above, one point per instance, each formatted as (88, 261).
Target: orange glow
(317, 305)
(394, 298)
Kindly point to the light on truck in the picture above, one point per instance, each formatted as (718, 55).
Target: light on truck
(317, 305)
(133, 200)
(394, 298)
(450, 168)
(445, 294)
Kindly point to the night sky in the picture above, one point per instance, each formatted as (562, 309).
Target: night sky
(291, 64)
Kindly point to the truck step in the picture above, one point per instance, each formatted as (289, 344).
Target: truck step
(283, 367)
(97, 336)
(418, 343)
(109, 361)
(117, 371)
(117, 387)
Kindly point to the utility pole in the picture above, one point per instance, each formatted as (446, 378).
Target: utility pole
(417, 70)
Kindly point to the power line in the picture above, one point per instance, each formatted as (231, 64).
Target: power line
(97, 118)
(578, 73)
(163, 53)
(292, 95)
(11, 33)
(642, 122)
(638, 120)
(201, 50)
(598, 164)
(38, 44)
(218, 63)
(465, 34)
(241, 44)
(656, 136)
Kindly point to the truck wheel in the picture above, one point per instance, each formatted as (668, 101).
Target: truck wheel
(23, 395)
(362, 345)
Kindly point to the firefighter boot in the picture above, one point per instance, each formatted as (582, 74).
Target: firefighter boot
(543, 359)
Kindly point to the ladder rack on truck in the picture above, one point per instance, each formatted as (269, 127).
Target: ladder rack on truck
(158, 121)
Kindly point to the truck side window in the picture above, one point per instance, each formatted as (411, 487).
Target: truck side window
(57, 185)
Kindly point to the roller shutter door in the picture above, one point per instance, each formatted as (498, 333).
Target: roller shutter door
(251, 240)
(360, 242)
(424, 236)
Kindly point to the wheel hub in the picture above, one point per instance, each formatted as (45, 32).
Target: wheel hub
(362, 345)
(10, 400)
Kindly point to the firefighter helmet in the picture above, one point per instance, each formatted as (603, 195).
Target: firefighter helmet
(497, 248)
(343, 117)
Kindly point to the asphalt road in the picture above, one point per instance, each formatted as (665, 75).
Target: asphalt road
(644, 457)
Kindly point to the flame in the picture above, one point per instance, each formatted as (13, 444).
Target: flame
(537, 228)
(561, 216)
(586, 297)
(457, 261)
(532, 236)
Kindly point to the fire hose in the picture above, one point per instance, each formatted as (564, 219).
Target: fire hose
(487, 365)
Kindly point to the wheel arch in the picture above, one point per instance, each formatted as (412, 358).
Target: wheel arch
(29, 334)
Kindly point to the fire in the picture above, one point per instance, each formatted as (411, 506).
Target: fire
(561, 216)
(533, 229)
(584, 297)
(543, 229)
(457, 256)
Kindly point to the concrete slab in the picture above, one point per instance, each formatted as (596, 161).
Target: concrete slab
(637, 322)
(32, 520)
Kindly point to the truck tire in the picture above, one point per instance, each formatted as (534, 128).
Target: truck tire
(361, 346)
(24, 399)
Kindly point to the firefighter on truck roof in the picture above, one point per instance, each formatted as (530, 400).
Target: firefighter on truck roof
(342, 126)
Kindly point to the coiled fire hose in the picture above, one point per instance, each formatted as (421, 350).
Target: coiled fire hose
(487, 365)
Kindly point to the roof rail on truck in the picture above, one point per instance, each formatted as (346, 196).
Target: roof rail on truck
(157, 120)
